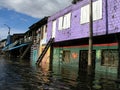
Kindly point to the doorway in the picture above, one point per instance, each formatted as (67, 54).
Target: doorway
(83, 60)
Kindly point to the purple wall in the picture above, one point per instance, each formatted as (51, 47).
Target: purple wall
(78, 30)
(114, 16)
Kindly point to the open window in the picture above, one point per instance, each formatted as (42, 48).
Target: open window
(110, 57)
(66, 56)
(64, 21)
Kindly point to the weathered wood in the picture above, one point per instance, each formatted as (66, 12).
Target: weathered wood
(44, 51)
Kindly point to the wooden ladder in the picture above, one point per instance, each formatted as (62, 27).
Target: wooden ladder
(44, 51)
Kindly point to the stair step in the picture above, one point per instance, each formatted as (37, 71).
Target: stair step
(45, 50)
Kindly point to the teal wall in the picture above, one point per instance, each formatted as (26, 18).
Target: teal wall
(74, 62)
(104, 70)
(58, 64)
(57, 57)
(35, 56)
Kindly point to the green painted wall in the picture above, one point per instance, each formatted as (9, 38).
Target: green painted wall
(35, 55)
(74, 62)
(58, 64)
(104, 70)
(57, 58)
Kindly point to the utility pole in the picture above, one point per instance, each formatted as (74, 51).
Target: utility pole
(90, 48)
(90, 37)
(8, 39)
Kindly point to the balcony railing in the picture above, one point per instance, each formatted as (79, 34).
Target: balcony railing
(28, 39)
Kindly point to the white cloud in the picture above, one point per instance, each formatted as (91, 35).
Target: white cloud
(35, 8)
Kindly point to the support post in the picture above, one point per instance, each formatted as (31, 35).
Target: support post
(51, 58)
(90, 38)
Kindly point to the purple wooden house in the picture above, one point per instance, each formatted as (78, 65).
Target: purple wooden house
(70, 29)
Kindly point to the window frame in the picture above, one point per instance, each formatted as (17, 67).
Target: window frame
(84, 12)
(65, 58)
(64, 22)
(109, 55)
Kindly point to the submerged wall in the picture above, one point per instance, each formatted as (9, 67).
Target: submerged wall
(74, 52)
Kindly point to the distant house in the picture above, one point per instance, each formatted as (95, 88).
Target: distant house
(2, 45)
(70, 30)
(40, 42)
(12, 45)
(17, 37)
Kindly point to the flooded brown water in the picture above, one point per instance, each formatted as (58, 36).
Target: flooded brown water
(18, 74)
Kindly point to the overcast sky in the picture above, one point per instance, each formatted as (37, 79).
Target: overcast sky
(35, 8)
(20, 14)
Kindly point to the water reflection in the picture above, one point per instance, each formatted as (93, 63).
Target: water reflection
(21, 75)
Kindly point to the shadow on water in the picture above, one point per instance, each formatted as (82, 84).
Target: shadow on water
(21, 75)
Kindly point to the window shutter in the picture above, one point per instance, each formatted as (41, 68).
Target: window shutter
(97, 12)
(60, 25)
(68, 20)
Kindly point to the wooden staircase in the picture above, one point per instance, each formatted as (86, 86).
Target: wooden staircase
(44, 51)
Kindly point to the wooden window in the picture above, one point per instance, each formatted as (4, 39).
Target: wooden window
(53, 29)
(97, 12)
(45, 31)
(68, 20)
(84, 14)
(45, 28)
(41, 33)
(66, 56)
(64, 21)
(110, 57)
(60, 24)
